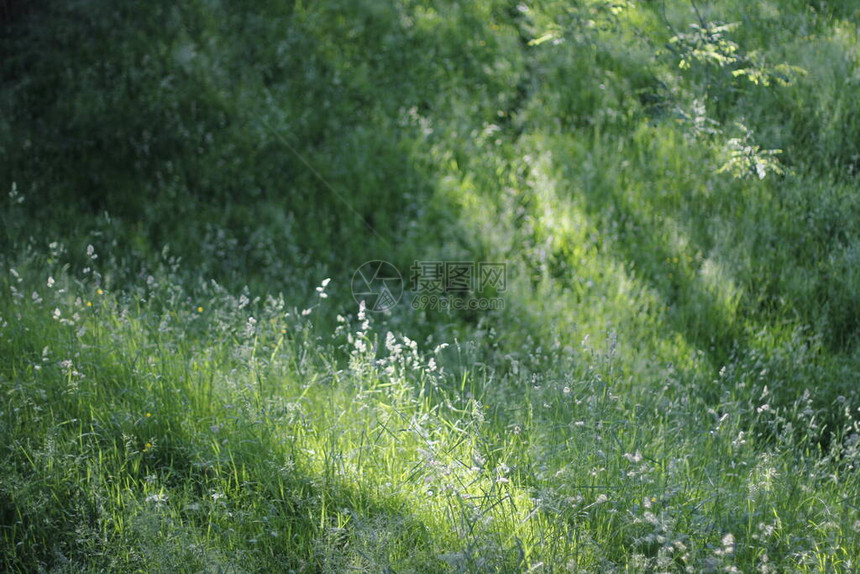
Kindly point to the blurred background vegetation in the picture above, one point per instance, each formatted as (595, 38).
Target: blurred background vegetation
(603, 150)
(676, 180)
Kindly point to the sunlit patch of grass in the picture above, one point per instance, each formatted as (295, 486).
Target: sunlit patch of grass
(671, 385)
(266, 446)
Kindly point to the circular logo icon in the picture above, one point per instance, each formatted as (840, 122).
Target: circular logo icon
(377, 283)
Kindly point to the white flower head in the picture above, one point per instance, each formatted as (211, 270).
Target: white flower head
(634, 458)
(728, 543)
(158, 498)
(321, 289)
(391, 343)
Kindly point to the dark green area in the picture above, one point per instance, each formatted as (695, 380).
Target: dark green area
(672, 186)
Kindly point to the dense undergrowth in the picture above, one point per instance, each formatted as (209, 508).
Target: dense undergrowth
(671, 385)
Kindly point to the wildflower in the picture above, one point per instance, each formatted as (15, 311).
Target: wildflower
(100, 292)
(158, 498)
(89, 303)
(15, 195)
(148, 415)
(650, 518)
(360, 346)
(199, 309)
(91, 252)
(391, 343)
(50, 281)
(634, 458)
(321, 288)
(728, 543)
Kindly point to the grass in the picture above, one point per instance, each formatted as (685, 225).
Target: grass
(671, 385)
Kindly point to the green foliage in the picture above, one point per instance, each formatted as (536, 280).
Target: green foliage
(671, 386)
(706, 45)
(748, 160)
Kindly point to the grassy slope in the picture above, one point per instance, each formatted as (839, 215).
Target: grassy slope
(671, 383)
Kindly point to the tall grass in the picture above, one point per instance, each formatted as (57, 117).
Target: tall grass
(671, 385)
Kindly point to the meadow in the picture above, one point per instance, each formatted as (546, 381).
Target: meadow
(189, 385)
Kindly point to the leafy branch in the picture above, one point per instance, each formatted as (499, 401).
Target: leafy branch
(746, 160)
